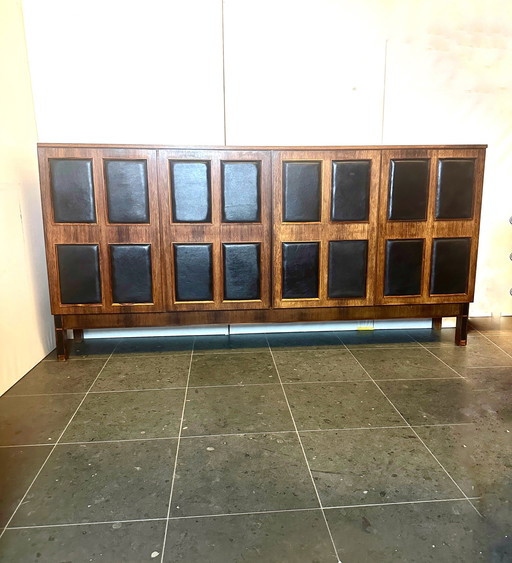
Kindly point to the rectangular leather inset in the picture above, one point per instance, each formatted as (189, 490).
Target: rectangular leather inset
(127, 191)
(350, 190)
(72, 190)
(241, 271)
(348, 261)
(455, 181)
(404, 260)
(300, 270)
(450, 265)
(191, 192)
(79, 273)
(193, 272)
(301, 191)
(408, 190)
(240, 192)
(131, 273)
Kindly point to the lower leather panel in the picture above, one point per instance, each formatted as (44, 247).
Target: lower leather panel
(241, 271)
(193, 272)
(347, 268)
(300, 270)
(131, 273)
(404, 260)
(450, 265)
(79, 273)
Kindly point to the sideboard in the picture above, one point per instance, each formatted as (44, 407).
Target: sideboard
(152, 236)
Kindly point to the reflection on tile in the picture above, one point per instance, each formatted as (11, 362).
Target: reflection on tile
(303, 340)
(130, 542)
(402, 364)
(58, 377)
(18, 466)
(231, 343)
(377, 338)
(440, 338)
(340, 405)
(269, 538)
(318, 365)
(223, 410)
(156, 345)
(144, 372)
(504, 341)
(35, 420)
(232, 369)
(94, 348)
(128, 415)
(98, 482)
(480, 353)
(225, 474)
(442, 532)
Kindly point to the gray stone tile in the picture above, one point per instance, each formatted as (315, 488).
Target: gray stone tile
(101, 482)
(441, 338)
(480, 353)
(402, 364)
(129, 542)
(377, 339)
(144, 372)
(318, 365)
(58, 377)
(232, 369)
(149, 346)
(35, 420)
(503, 340)
(303, 340)
(91, 348)
(127, 415)
(226, 410)
(340, 405)
(437, 402)
(252, 538)
(442, 532)
(18, 466)
(226, 474)
(232, 343)
(374, 466)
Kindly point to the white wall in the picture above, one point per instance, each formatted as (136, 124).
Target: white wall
(296, 72)
(26, 333)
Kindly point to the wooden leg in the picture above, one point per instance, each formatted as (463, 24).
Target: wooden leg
(461, 329)
(61, 337)
(78, 335)
(437, 323)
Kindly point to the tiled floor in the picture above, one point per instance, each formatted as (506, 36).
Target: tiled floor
(385, 446)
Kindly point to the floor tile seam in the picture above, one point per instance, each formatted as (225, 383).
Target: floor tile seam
(319, 500)
(55, 445)
(173, 479)
(423, 442)
(497, 345)
(437, 358)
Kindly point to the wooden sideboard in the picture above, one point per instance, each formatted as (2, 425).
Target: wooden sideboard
(153, 236)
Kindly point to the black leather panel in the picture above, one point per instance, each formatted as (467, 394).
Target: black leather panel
(301, 191)
(193, 272)
(455, 183)
(404, 260)
(127, 191)
(450, 265)
(241, 271)
(191, 193)
(350, 190)
(300, 270)
(408, 190)
(348, 261)
(72, 191)
(240, 192)
(79, 273)
(131, 273)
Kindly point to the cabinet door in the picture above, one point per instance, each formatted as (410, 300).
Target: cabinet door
(325, 224)
(216, 228)
(102, 229)
(428, 225)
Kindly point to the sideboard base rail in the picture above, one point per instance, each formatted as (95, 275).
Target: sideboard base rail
(78, 323)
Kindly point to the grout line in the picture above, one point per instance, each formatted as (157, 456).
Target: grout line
(464, 499)
(305, 456)
(420, 439)
(55, 444)
(497, 345)
(176, 455)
